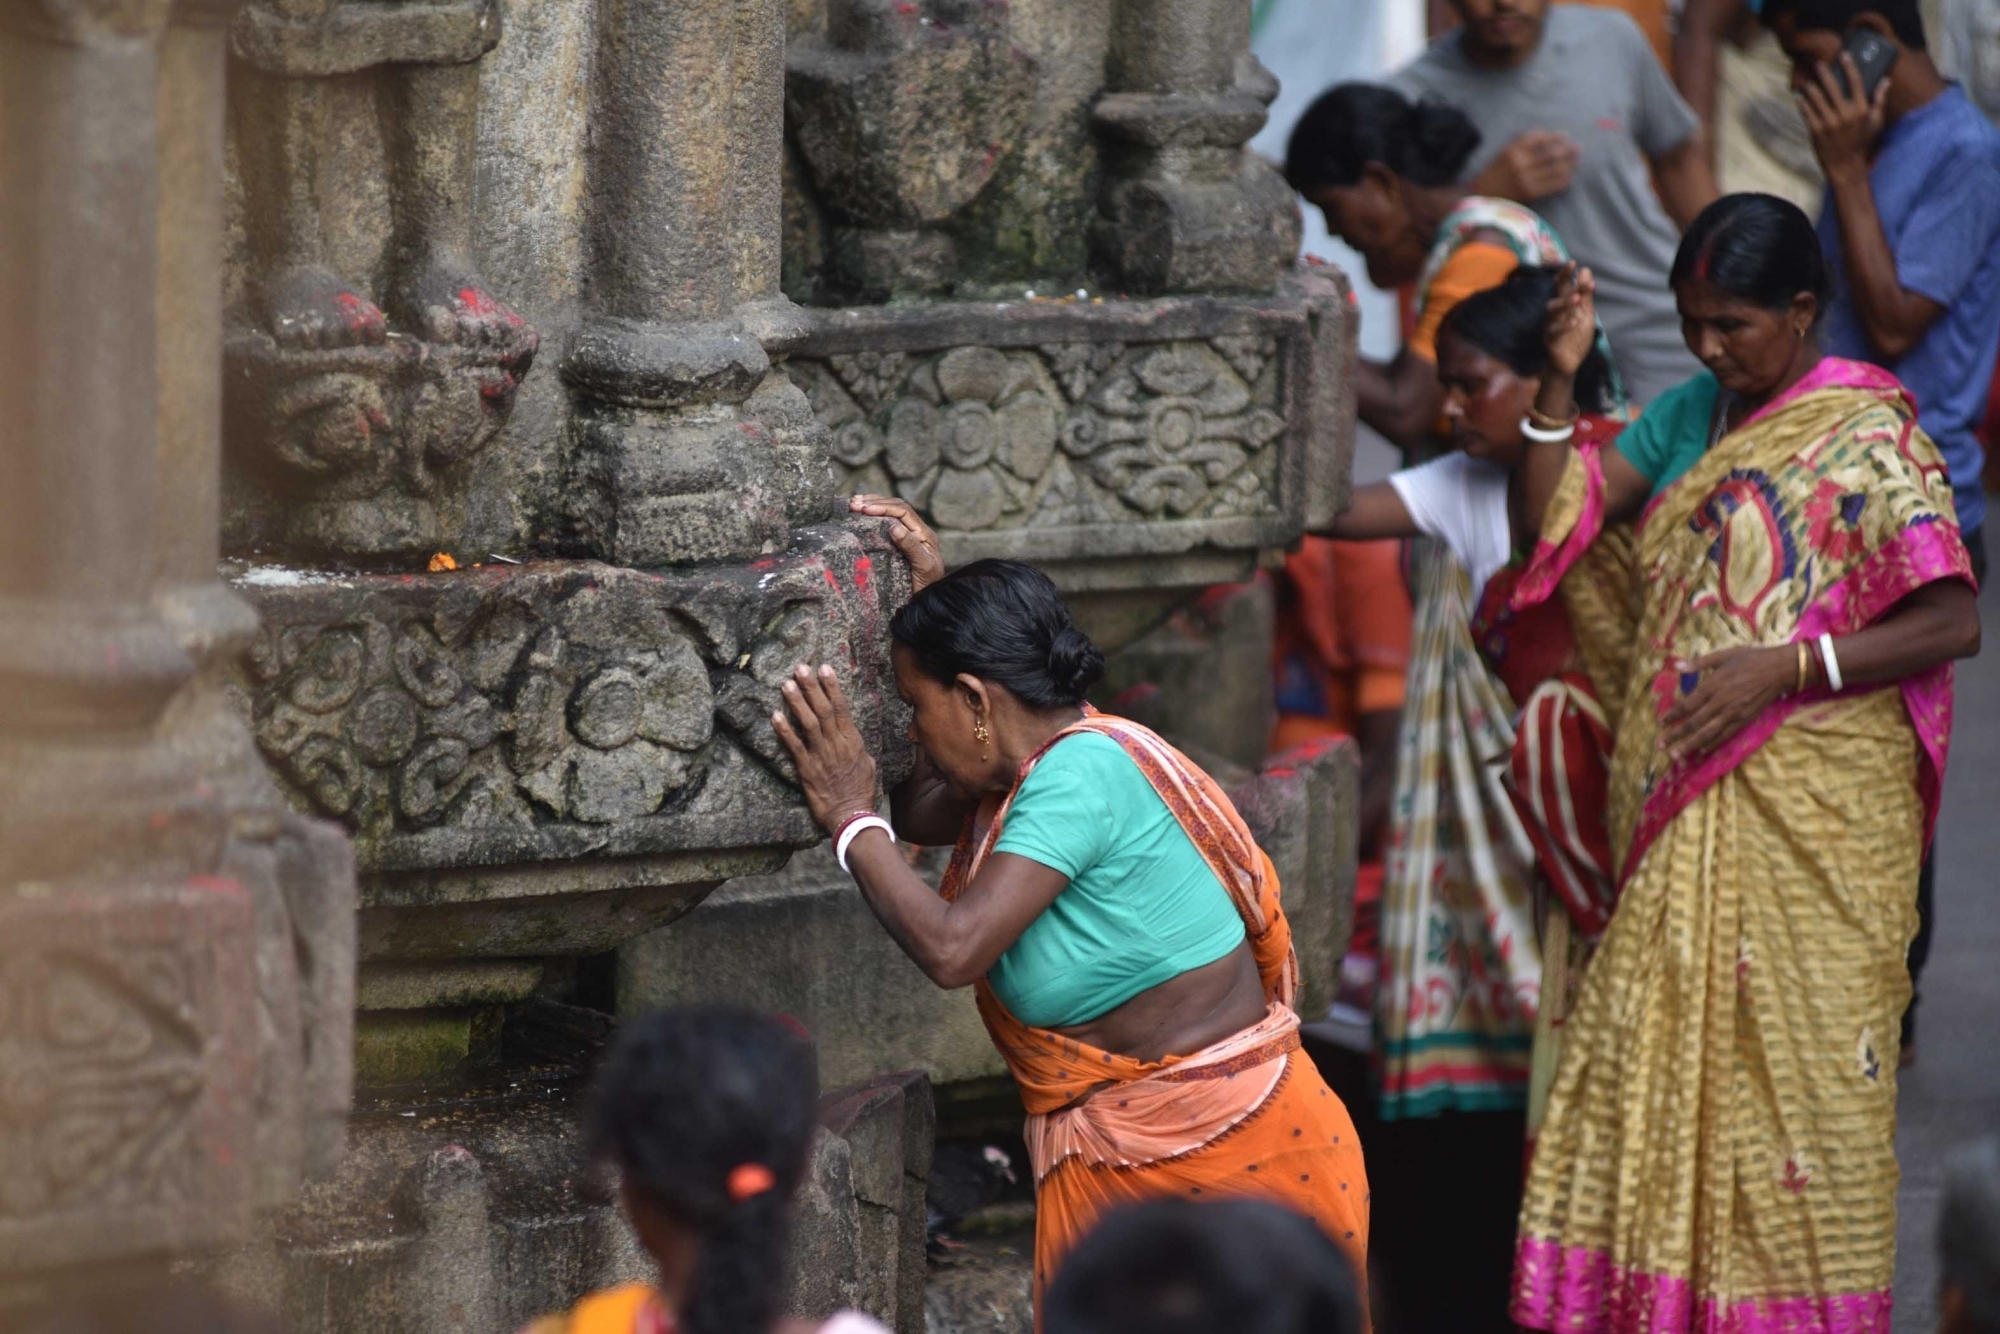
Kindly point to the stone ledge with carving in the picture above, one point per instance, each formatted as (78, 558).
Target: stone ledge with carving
(536, 713)
(1058, 432)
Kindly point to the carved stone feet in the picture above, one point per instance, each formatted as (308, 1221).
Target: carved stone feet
(352, 429)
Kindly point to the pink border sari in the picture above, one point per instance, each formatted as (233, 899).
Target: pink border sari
(1718, 1152)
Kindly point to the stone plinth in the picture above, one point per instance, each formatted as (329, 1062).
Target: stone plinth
(1136, 450)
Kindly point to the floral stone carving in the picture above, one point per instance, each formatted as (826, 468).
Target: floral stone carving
(1175, 423)
(524, 713)
(983, 438)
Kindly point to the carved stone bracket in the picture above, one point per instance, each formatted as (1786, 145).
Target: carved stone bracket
(478, 730)
(1064, 433)
(351, 409)
(363, 439)
(1184, 208)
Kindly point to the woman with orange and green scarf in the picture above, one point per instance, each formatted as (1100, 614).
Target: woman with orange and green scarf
(1120, 926)
(1718, 1151)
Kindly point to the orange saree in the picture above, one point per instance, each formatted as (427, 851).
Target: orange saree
(1249, 1116)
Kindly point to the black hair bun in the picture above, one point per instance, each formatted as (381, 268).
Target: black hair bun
(1444, 139)
(1075, 664)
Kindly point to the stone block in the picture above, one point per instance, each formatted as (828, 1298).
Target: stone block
(473, 1213)
(1301, 809)
(520, 714)
(1208, 667)
(1135, 450)
(131, 1050)
(890, 1128)
(802, 942)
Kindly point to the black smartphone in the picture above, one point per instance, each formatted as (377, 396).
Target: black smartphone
(1874, 55)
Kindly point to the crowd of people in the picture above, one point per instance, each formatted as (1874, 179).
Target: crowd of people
(1647, 647)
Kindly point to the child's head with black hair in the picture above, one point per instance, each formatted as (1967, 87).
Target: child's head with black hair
(707, 1114)
(1179, 1267)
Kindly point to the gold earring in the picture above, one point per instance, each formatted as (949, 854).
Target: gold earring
(979, 732)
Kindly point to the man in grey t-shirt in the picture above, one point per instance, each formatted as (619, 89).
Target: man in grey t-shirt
(1578, 121)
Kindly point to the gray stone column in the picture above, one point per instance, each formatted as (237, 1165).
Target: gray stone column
(153, 990)
(686, 445)
(1184, 208)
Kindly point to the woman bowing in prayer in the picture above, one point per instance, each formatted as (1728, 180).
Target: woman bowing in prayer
(1719, 1147)
(1120, 926)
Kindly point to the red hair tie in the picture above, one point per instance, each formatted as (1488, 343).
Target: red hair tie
(749, 1180)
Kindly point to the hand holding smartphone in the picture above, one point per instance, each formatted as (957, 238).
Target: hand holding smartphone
(1874, 56)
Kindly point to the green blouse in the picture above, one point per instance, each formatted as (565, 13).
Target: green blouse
(1141, 906)
(1672, 433)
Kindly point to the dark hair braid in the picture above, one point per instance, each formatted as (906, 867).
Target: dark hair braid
(685, 1098)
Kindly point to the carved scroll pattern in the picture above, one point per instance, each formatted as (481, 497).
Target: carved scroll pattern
(587, 708)
(1068, 433)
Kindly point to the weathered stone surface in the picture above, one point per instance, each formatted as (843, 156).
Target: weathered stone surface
(472, 1210)
(1080, 435)
(1183, 207)
(904, 113)
(890, 1126)
(415, 986)
(176, 973)
(1205, 674)
(1300, 807)
(802, 942)
(522, 714)
(354, 413)
(130, 1047)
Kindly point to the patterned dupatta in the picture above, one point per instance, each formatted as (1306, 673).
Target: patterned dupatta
(1461, 962)
(1817, 515)
(1058, 1074)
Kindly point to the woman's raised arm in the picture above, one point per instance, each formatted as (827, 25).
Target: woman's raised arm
(1570, 333)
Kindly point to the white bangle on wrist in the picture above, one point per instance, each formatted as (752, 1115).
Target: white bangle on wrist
(1542, 437)
(1830, 663)
(852, 831)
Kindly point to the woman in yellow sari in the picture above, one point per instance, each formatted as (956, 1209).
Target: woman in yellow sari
(1718, 1152)
(1122, 930)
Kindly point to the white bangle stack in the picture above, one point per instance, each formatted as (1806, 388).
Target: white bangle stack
(1830, 663)
(1546, 437)
(852, 830)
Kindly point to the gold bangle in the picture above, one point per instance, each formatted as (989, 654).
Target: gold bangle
(1544, 422)
(1804, 668)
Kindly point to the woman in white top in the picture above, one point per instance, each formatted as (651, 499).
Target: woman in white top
(1462, 950)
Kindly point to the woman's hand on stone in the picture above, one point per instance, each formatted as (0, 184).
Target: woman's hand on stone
(1570, 329)
(835, 769)
(912, 536)
(1736, 685)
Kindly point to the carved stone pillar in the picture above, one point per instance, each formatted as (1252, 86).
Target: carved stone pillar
(904, 113)
(1184, 208)
(172, 947)
(686, 444)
